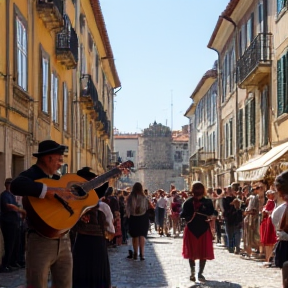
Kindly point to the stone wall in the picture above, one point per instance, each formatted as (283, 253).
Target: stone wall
(154, 179)
(155, 153)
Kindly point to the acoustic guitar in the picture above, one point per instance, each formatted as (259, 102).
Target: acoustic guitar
(53, 217)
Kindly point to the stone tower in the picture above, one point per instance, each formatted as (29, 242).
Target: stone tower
(155, 157)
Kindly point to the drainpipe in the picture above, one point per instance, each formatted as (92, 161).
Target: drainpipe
(236, 159)
(7, 86)
(112, 119)
(218, 110)
(76, 88)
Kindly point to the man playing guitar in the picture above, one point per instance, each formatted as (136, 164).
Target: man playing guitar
(53, 207)
(44, 254)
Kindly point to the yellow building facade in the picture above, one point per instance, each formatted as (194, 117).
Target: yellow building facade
(57, 81)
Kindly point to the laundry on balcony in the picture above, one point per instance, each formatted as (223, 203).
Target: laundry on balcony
(257, 168)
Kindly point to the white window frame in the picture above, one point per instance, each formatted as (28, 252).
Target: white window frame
(54, 97)
(260, 11)
(22, 70)
(65, 107)
(45, 85)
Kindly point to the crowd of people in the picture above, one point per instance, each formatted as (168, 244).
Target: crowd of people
(77, 256)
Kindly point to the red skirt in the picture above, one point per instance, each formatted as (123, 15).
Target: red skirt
(267, 232)
(197, 248)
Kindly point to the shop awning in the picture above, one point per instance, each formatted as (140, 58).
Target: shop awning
(256, 169)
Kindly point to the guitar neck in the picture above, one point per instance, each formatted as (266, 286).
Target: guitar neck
(100, 180)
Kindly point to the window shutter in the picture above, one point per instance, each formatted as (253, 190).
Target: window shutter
(265, 116)
(226, 140)
(240, 129)
(246, 125)
(231, 137)
(252, 26)
(285, 96)
(280, 85)
(252, 112)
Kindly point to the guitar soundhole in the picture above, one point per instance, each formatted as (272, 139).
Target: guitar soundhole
(78, 190)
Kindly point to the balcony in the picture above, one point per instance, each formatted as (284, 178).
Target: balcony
(51, 12)
(255, 63)
(88, 92)
(202, 159)
(67, 46)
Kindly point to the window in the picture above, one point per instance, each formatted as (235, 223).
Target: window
(264, 117)
(130, 153)
(232, 70)
(243, 39)
(240, 129)
(282, 91)
(226, 140)
(210, 144)
(22, 70)
(250, 121)
(89, 137)
(178, 156)
(260, 18)
(45, 85)
(65, 107)
(97, 67)
(83, 60)
(213, 107)
(250, 30)
(224, 78)
(54, 97)
(229, 138)
(280, 5)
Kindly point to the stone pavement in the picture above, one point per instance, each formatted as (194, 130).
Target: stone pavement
(165, 267)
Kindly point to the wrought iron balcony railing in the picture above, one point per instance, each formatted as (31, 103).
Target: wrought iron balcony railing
(67, 46)
(51, 12)
(256, 55)
(88, 89)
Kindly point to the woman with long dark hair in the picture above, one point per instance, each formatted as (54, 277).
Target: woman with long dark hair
(137, 206)
(197, 239)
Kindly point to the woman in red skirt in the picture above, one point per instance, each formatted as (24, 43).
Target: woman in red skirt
(197, 239)
(267, 230)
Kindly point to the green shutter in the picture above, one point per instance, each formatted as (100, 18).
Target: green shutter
(285, 96)
(246, 125)
(231, 136)
(252, 113)
(240, 129)
(280, 92)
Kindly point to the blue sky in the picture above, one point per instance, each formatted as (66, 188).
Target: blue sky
(160, 51)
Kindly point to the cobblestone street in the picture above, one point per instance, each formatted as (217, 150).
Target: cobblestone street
(165, 267)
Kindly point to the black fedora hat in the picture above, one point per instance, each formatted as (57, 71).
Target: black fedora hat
(49, 147)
